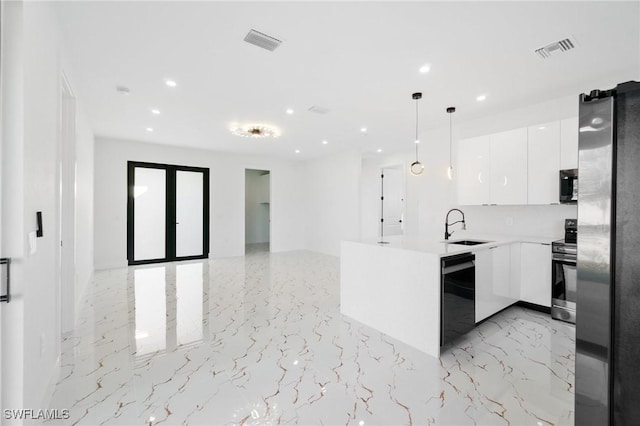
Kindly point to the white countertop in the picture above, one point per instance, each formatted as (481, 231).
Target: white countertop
(435, 245)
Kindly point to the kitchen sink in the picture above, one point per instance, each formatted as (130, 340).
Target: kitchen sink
(467, 242)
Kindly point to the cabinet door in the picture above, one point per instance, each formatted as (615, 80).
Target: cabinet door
(543, 149)
(503, 294)
(535, 284)
(473, 170)
(569, 143)
(508, 167)
(493, 281)
(484, 279)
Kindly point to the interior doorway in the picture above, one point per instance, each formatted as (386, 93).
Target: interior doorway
(167, 213)
(257, 207)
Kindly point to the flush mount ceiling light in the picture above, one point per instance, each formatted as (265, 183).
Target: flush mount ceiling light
(450, 111)
(481, 98)
(170, 83)
(425, 69)
(155, 111)
(252, 130)
(416, 168)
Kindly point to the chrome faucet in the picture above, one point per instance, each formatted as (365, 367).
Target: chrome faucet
(447, 234)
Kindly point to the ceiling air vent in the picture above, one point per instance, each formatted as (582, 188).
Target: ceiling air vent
(318, 109)
(556, 47)
(262, 40)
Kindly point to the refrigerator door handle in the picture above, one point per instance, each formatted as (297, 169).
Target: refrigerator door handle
(6, 297)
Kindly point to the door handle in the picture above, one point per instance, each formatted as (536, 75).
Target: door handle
(7, 296)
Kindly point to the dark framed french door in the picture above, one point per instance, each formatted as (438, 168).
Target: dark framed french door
(167, 212)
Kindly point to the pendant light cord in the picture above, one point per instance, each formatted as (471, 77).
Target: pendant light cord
(450, 138)
(416, 140)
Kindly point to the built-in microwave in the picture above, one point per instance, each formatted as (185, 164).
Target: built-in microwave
(569, 186)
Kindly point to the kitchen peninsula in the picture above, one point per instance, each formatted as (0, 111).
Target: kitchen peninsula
(396, 288)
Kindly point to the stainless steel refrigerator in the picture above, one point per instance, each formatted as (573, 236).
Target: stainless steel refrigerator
(608, 290)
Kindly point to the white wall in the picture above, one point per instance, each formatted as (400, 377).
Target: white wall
(31, 155)
(227, 185)
(256, 220)
(332, 201)
(432, 194)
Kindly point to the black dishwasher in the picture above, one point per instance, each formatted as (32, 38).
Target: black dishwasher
(458, 296)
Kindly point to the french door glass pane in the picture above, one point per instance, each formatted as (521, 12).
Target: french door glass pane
(189, 214)
(149, 214)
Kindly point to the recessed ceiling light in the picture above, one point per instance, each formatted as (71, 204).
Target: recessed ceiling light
(324, 142)
(170, 83)
(297, 151)
(481, 98)
(363, 129)
(379, 150)
(417, 141)
(289, 111)
(149, 129)
(425, 69)
(541, 128)
(155, 111)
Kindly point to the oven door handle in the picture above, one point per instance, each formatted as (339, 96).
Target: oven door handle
(569, 260)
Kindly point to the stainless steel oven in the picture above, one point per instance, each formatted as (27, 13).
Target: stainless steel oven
(564, 281)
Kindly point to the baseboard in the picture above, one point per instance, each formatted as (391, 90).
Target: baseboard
(534, 307)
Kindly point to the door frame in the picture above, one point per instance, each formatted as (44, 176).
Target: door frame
(67, 206)
(170, 211)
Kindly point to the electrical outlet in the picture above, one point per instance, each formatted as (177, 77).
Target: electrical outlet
(509, 221)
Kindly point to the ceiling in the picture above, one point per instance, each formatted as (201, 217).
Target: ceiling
(360, 60)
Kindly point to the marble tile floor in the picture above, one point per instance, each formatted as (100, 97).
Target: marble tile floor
(260, 339)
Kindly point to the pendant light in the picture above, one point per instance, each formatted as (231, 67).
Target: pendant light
(416, 168)
(450, 111)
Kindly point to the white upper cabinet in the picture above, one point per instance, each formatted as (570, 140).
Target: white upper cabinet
(543, 153)
(569, 143)
(508, 167)
(473, 171)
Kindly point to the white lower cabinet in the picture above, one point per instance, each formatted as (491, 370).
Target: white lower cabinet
(535, 281)
(494, 285)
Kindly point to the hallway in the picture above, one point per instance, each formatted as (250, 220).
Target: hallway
(263, 341)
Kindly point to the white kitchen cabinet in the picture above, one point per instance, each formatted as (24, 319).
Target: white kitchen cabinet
(535, 282)
(473, 170)
(543, 161)
(569, 132)
(494, 290)
(508, 167)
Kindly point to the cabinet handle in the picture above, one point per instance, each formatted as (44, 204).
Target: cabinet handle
(6, 297)
(480, 177)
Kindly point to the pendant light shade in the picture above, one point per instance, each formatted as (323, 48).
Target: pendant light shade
(416, 168)
(450, 111)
